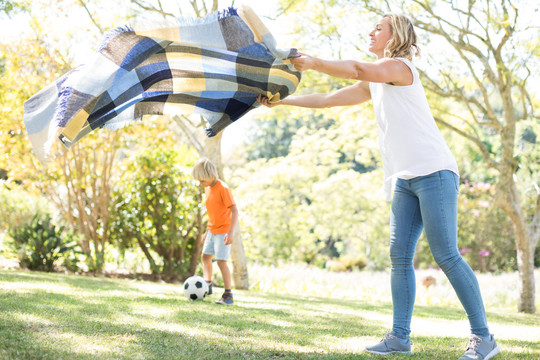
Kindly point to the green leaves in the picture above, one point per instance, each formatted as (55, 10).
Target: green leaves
(157, 208)
(40, 243)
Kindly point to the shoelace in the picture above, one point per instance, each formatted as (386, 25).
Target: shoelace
(388, 336)
(474, 342)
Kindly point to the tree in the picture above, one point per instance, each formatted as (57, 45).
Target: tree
(80, 186)
(158, 207)
(209, 147)
(88, 12)
(78, 183)
(72, 184)
(484, 91)
(319, 200)
(495, 95)
(479, 83)
(9, 7)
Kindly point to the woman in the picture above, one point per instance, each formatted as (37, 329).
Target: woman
(418, 164)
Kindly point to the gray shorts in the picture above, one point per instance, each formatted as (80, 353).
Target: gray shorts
(215, 245)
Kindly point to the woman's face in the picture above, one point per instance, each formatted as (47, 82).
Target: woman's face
(380, 35)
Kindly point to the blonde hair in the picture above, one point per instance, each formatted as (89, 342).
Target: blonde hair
(204, 170)
(403, 41)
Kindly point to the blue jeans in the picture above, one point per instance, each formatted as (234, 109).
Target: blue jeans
(429, 202)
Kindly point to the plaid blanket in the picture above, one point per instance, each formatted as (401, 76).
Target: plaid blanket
(214, 67)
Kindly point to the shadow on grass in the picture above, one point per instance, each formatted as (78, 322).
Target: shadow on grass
(79, 281)
(420, 311)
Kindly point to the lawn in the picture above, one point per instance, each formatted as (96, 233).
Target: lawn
(57, 316)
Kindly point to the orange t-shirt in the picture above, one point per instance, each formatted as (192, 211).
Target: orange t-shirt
(218, 201)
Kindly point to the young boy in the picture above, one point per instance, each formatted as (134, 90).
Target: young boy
(222, 221)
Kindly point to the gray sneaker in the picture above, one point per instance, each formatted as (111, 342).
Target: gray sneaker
(480, 349)
(390, 344)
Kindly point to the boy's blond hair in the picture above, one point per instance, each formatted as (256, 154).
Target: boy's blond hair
(204, 170)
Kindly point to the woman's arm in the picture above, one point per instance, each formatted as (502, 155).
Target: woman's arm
(385, 70)
(349, 95)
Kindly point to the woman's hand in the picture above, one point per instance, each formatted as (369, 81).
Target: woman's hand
(303, 62)
(263, 100)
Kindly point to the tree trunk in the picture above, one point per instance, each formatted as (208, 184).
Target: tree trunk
(153, 266)
(509, 200)
(525, 260)
(239, 262)
(212, 148)
(196, 254)
(525, 245)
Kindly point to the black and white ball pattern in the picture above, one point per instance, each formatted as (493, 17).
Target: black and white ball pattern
(195, 288)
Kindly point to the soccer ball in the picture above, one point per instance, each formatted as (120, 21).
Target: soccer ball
(195, 288)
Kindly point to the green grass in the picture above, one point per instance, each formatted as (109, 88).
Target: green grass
(55, 316)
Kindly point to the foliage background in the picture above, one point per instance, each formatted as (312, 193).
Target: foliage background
(307, 181)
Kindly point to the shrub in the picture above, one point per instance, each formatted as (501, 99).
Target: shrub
(40, 243)
(17, 206)
(485, 236)
(346, 263)
(158, 208)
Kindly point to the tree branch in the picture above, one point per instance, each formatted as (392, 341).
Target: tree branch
(189, 133)
(83, 4)
(508, 30)
(461, 45)
(440, 20)
(483, 149)
(534, 227)
(458, 95)
(152, 8)
(488, 111)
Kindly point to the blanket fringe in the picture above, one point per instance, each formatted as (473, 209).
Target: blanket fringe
(142, 25)
(180, 21)
(61, 106)
(225, 13)
(216, 15)
(109, 34)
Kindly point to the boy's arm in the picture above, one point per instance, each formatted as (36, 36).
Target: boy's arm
(234, 221)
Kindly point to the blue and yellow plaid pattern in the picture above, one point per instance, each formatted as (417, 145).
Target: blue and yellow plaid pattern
(214, 67)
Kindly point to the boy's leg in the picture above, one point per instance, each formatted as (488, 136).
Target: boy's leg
(225, 273)
(222, 255)
(227, 297)
(207, 266)
(207, 254)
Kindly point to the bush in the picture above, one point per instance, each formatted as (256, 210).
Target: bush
(485, 235)
(346, 263)
(17, 206)
(158, 208)
(40, 243)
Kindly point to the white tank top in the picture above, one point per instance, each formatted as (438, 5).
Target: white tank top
(410, 142)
